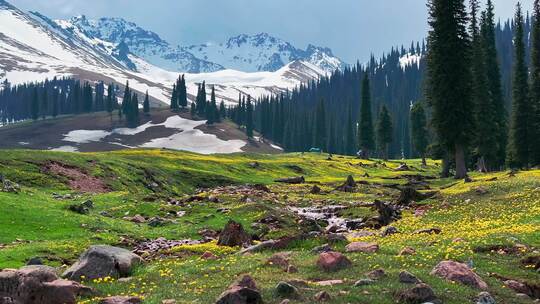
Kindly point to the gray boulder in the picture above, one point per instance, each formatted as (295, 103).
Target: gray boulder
(101, 261)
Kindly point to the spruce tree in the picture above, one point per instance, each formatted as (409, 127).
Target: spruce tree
(249, 118)
(349, 137)
(182, 93)
(320, 126)
(222, 110)
(365, 127)
(519, 143)
(485, 137)
(174, 98)
(146, 104)
(44, 104)
(494, 84)
(34, 106)
(126, 100)
(449, 78)
(419, 130)
(535, 85)
(384, 131)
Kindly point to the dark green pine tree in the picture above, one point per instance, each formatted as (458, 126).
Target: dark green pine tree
(320, 126)
(174, 98)
(222, 110)
(366, 133)
(535, 85)
(111, 99)
(44, 104)
(55, 103)
(485, 137)
(519, 140)
(146, 104)
(449, 78)
(494, 84)
(349, 136)
(34, 106)
(126, 100)
(384, 132)
(201, 100)
(249, 118)
(211, 109)
(182, 93)
(419, 131)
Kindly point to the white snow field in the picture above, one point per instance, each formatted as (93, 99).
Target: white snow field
(186, 139)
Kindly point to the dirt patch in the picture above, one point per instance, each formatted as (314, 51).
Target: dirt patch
(77, 179)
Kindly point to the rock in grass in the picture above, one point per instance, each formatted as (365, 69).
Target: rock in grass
(286, 290)
(323, 296)
(408, 278)
(243, 291)
(376, 274)
(121, 300)
(407, 251)
(322, 248)
(364, 282)
(485, 298)
(458, 272)
(101, 261)
(234, 235)
(333, 261)
(421, 293)
(363, 247)
(280, 259)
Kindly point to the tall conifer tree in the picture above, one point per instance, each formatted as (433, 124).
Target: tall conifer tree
(419, 130)
(384, 131)
(519, 143)
(365, 127)
(535, 85)
(449, 77)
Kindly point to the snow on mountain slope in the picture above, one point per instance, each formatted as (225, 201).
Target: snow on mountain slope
(263, 52)
(246, 53)
(140, 42)
(33, 48)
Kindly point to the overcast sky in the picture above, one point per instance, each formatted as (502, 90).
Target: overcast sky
(351, 28)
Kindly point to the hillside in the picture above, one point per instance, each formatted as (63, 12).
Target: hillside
(103, 132)
(490, 223)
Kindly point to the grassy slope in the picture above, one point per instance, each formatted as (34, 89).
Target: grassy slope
(35, 224)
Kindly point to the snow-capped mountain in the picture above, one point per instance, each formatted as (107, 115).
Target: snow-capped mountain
(145, 44)
(245, 53)
(34, 48)
(263, 52)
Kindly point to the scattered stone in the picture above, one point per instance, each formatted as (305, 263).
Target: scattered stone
(9, 186)
(348, 186)
(286, 301)
(407, 251)
(376, 274)
(154, 247)
(333, 261)
(354, 224)
(485, 298)
(428, 231)
(121, 300)
(458, 272)
(329, 283)
(168, 301)
(364, 282)
(254, 165)
(286, 290)
(421, 293)
(389, 231)
(408, 278)
(38, 285)
(34, 261)
(522, 296)
(323, 296)
(403, 167)
(480, 190)
(363, 247)
(79, 208)
(157, 222)
(409, 195)
(243, 291)
(208, 256)
(315, 190)
(234, 235)
(387, 213)
(101, 261)
(280, 259)
(138, 219)
(336, 238)
(517, 286)
(533, 261)
(291, 180)
(322, 248)
(292, 269)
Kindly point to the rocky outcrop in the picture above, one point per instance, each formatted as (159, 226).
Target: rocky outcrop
(458, 272)
(243, 291)
(101, 261)
(333, 261)
(234, 235)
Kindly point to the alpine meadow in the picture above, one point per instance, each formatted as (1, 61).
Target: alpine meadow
(278, 152)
